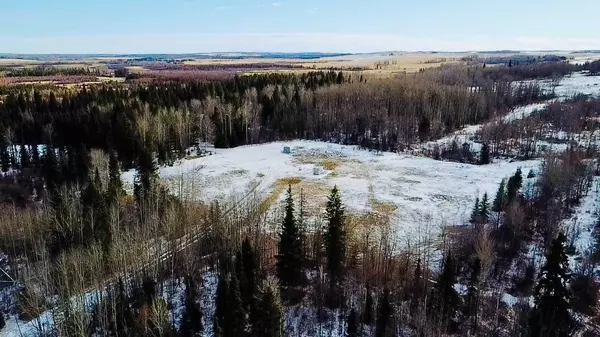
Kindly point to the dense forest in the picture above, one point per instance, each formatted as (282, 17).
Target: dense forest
(68, 227)
(171, 117)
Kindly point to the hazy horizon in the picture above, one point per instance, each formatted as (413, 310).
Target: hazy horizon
(340, 26)
(309, 52)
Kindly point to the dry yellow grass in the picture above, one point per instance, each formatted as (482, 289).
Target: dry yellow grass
(278, 188)
(326, 163)
(330, 165)
(384, 208)
(135, 69)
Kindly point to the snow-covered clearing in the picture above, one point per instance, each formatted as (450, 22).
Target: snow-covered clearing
(419, 194)
(581, 224)
(577, 83)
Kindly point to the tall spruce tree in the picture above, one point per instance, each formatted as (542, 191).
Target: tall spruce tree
(290, 257)
(446, 299)
(83, 162)
(417, 289)
(352, 324)
(551, 317)
(500, 198)
(4, 157)
(335, 237)
(235, 315)
(115, 185)
(269, 316)
(52, 174)
(24, 154)
(513, 186)
(123, 315)
(240, 274)
(499, 201)
(146, 175)
(384, 315)
(95, 213)
(250, 269)
(221, 306)
(472, 302)
(191, 322)
(485, 155)
(367, 316)
(35, 156)
(475, 211)
(484, 208)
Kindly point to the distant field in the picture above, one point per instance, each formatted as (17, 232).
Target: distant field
(10, 62)
(377, 65)
(369, 62)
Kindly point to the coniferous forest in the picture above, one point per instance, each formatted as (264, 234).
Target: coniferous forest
(101, 259)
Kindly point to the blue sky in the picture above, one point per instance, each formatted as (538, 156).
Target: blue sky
(179, 26)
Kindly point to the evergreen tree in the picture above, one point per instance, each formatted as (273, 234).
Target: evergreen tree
(82, 161)
(52, 173)
(146, 175)
(514, 185)
(472, 303)
(484, 208)
(499, 200)
(4, 158)
(352, 324)
(24, 154)
(250, 273)
(191, 322)
(235, 315)
(384, 314)
(102, 229)
(123, 315)
(149, 290)
(446, 299)
(335, 237)
(115, 185)
(2, 321)
(289, 259)
(269, 317)
(93, 210)
(485, 155)
(475, 211)
(367, 317)
(551, 317)
(417, 290)
(35, 156)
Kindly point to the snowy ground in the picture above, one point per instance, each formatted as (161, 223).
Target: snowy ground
(577, 83)
(421, 194)
(580, 225)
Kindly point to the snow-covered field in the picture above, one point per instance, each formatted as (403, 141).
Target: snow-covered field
(420, 194)
(578, 83)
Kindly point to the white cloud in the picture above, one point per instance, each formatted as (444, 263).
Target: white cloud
(284, 42)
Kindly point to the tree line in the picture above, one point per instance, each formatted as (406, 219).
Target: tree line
(168, 118)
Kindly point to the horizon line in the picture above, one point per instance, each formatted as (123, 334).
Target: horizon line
(2, 54)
